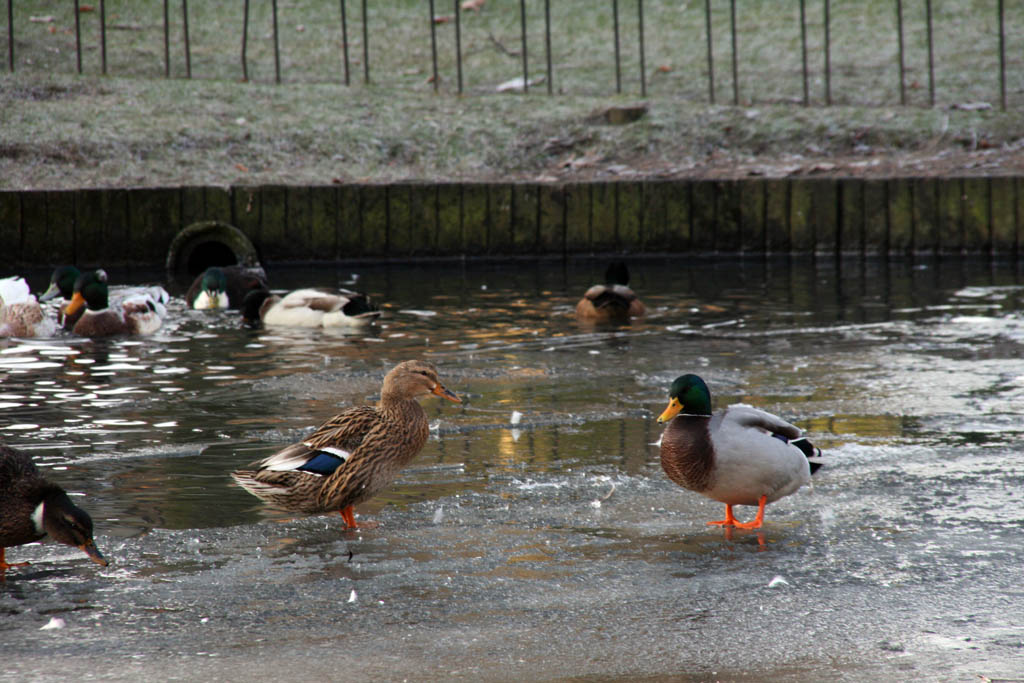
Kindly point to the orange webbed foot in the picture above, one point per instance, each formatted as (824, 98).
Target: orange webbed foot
(349, 515)
(758, 521)
(728, 521)
(4, 566)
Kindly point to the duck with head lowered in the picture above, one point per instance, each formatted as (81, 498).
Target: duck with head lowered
(224, 286)
(612, 302)
(138, 314)
(20, 313)
(310, 307)
(31, 508)
(355, 454)
(738, 456)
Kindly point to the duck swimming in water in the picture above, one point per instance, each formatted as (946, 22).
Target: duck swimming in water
(612, 302)
(311, 307)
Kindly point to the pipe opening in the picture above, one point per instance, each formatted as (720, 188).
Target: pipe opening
(209, 243)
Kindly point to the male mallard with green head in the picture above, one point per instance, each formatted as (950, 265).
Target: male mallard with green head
(31, 508)
(62, 284)
(355, 454)
(224, 286)
(138, 314)
(737, 456)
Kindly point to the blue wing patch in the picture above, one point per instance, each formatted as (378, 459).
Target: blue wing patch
(322, 463)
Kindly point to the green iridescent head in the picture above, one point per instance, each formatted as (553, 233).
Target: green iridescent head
(688, 395)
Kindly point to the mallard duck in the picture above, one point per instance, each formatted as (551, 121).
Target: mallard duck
(31, 508)
(138, 314)
(62, 286)
(224, 286)
(613, 301)
(355, 454)
(738, 456)
(20, 313)
(311, 307)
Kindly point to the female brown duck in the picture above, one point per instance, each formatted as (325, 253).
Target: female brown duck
(355, 454)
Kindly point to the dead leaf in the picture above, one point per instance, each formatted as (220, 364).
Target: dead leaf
(665, 68)
(445, 19)
(242, 168)
(86, 8)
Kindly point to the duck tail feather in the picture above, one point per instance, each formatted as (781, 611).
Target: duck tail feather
(806, 447)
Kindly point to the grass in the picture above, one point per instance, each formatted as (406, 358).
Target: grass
(134, 127)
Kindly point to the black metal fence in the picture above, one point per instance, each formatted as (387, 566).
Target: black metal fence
(871, 52)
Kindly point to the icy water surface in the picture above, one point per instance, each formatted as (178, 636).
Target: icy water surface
(536, 534)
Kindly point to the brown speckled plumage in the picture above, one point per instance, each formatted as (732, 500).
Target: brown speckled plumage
(381, 439)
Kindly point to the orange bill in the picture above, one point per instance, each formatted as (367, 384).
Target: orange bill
(94, 553)
(674, 406)
(77, 301)
(444, 393)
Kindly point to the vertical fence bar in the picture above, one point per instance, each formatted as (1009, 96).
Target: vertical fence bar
(10, 35)
(903, 68)
(828, 56)
(277, 43)
(366, 47)
(103, 36)
(245, 41)
(78, 36)
(188, 46)
(735, 55)
(618, 56)
(547, 45)
(931, 53)
(643, 61)
(1002, 55)
(344, 42)
(803, 50)
(522, 21)
(433, 45)
(458, 44)
(711, 59)
(167, 39)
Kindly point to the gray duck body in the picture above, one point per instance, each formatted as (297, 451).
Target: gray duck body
(735, 456)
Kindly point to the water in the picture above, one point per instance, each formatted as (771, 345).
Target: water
(553, 547)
